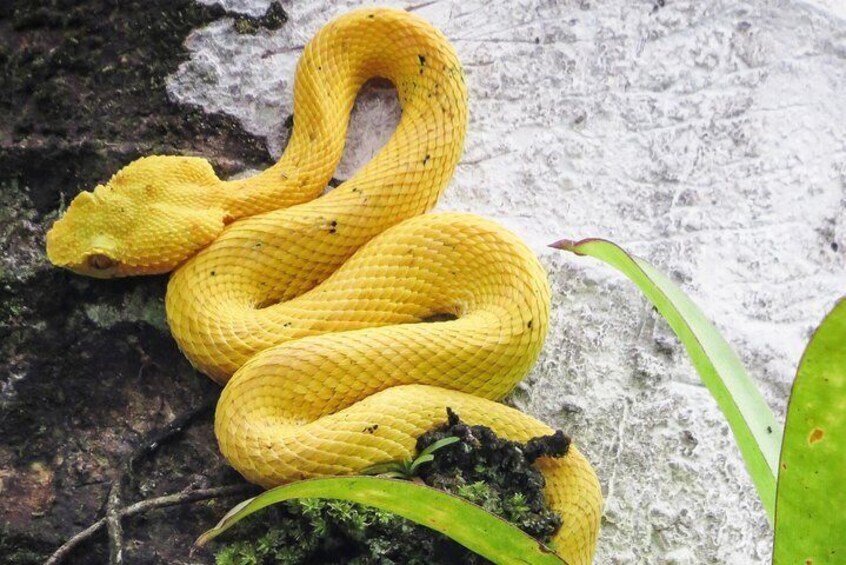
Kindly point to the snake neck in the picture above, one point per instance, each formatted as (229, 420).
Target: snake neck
(365, 44)
(286, 241)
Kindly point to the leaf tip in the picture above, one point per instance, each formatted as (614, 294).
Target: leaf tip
(565, 245)
(572, 246)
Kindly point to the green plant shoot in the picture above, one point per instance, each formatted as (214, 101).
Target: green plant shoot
(407, 469)
(755, 428)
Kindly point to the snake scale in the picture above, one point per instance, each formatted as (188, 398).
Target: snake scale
(309, 310)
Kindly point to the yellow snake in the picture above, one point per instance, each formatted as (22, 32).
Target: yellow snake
(310, 309)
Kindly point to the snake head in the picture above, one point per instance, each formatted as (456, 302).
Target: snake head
(149, 218)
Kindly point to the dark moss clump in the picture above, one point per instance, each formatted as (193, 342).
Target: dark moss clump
(496, 474)
(274, 18)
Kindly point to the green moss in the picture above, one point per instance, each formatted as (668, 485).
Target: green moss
(19, 233)
(319, 531)
(15, 551)
(274, 18)
(137, 306)
(245, 26)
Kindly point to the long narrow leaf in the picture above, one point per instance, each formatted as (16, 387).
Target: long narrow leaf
(443, 442)
(383, 468)
(427, 458)
(755, 428)
(463, 521)
(810, 524)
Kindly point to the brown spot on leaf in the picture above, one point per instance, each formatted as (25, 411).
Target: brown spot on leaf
(816, 436)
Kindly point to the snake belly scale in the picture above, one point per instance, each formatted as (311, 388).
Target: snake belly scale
(310, 310)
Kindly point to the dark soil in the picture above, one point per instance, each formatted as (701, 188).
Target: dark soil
(504, 466)
(494, 473)
(88, 370)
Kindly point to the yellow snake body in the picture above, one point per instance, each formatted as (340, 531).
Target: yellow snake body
(311, 310)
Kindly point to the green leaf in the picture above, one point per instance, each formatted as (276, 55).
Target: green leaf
(755, 428)
(478, 530)
(443, 442)
(419, 461)
(406, 469)
(810, 524)
(388, 467)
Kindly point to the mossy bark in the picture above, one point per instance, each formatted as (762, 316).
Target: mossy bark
(88, 370)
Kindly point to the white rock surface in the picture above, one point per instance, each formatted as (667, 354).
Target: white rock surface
(707, 136)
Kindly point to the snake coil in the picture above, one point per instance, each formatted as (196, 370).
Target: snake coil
(309, 309)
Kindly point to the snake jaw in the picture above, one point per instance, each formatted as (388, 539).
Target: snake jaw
(97, 260)
(71, 239)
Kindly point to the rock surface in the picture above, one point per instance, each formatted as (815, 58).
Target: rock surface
(89, 375)
(708, 137)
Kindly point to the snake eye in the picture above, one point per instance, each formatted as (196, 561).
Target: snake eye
(100, 262)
